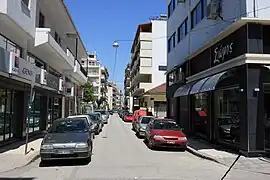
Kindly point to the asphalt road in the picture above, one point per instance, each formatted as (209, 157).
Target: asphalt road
(119, 154)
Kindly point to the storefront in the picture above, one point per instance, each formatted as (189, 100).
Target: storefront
(224, 97)
(16, 75)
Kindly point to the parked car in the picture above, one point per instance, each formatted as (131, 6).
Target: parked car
(137, 115)
(90, 122)
(141, 124)
(111, 112)
(104, 115)
(128, 117)
(164, 133)
(68, 138)
(97, 121)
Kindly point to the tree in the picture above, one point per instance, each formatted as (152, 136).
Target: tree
(88, 93)
(100, 101)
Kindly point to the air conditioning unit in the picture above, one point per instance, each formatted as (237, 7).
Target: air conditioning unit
(214, 9)
(181, 1)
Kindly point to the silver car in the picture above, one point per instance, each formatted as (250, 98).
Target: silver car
(141, 125)
(105, 115)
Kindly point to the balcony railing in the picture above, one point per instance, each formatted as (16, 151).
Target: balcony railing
(83, 70)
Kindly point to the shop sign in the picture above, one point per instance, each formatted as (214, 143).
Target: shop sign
(69, 89)
(60, 87)
(52, 81)
(20, 67)
(230, 47)
(222, 52)
(43, 77)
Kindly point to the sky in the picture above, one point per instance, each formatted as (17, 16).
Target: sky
(101, 22)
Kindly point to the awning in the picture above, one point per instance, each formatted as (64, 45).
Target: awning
(197, 86)
(211, 83)
(183, 90)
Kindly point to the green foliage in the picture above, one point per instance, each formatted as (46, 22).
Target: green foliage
(100, 101)
(88, 93)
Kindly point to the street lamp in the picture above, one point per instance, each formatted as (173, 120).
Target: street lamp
(116, 46)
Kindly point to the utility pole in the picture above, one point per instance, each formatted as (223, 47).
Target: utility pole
(254, 8)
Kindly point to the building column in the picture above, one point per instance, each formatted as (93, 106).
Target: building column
(252, 131)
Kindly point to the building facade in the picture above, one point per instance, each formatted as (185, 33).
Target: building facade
(149, 58)
(218, 88)
(37, 56)
(114, 96)
(97, 75)
(128, 100)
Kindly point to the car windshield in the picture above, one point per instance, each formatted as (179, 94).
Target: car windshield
(146, 120)
(74, 125)
(166, 125)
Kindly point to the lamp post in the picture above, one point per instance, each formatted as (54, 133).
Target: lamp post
(116, 46)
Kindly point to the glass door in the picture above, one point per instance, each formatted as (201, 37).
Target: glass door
(267, 115)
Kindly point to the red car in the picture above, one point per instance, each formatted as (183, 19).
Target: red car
(164, 133)
(128, 117)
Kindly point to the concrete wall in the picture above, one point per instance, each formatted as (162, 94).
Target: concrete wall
(207, 29)
(159, 51)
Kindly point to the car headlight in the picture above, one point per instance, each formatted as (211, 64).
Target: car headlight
(158, 137)
(142, 129)
(81, 145)
(46, 146)
(182, 138)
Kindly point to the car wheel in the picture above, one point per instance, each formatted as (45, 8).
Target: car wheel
(150, 145)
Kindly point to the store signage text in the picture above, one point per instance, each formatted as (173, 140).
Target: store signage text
(221, 52)
(27, 72)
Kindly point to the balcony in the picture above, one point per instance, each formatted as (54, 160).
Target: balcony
(18, 19)
(79, 73)
(48, 49)
(140, 88)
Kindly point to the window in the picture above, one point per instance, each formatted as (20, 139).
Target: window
(182, 30)
(10, 46)
(82, 62)
(169, 9)
(173, 40)
(169, 44)
(34, 60)
(57, 38)
(162, 68)
(227, 115)
(41, 22)
(198, 13)
(200, 113)
(7, 121)
(26, 2)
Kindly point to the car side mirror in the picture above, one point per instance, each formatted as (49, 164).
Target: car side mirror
(182, 129)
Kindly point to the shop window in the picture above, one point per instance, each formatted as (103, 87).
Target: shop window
(34, 119)
(54, 110)
(10, 46)
(200, 113)
(6, 114)
(227, 115)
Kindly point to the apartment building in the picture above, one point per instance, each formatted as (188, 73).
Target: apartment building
(97, 74)
(149, 58)
(218, 71)
(36, 54)
(114, 95)
(128, 100)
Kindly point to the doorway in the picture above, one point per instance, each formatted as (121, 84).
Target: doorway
(267, 115)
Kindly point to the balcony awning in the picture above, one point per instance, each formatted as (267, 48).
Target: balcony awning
(198, 85)
(211, 83)
(183, 90)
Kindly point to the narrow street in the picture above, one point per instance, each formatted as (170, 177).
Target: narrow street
(119, 154)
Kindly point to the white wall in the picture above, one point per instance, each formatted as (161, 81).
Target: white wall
(207, 29)
(159, 51)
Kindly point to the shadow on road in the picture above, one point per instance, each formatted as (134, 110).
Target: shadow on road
(63, 163)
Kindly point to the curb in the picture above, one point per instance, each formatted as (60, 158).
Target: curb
(202, 155)
(34, 158)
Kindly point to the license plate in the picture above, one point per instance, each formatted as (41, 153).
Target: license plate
(64, 152)
(170, 142)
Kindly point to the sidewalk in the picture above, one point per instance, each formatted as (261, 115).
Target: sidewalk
(205, 150)
(12, 156)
